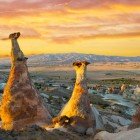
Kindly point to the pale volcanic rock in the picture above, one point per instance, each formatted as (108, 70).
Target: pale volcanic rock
(120, 120)
(123, 135)
(21, 104)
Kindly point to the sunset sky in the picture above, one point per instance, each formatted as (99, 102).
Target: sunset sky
(106, 27)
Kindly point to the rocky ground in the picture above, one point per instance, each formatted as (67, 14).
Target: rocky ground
(115, 112)
(38, 133)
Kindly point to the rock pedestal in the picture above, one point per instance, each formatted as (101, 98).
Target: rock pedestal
(21, 104)
(78, 107)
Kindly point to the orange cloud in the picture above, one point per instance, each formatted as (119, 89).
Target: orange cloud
(70, 23)
(71, 39)
(26, 32)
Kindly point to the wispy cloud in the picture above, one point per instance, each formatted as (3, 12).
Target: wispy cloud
(68, 21)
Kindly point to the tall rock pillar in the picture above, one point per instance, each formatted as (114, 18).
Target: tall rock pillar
(21, 104)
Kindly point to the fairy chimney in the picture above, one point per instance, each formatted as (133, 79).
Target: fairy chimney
(123, 87)
(78, 107)
(21, 104)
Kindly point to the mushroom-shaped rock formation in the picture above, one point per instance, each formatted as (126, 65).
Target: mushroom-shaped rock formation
(21, 104)
(78, 108)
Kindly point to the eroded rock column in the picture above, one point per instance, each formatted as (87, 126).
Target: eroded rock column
(78, 107)
(21, 105)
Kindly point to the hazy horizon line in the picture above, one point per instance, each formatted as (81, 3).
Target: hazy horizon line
(5, 56)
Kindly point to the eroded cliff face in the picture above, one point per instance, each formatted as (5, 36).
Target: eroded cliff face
(78, 107)
(21, 104)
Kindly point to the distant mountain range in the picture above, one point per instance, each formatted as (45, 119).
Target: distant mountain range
(68, 58)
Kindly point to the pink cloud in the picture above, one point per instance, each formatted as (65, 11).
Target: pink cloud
(100, 3)
(73, 38)
(13, 8)
(16, 5)
(26, 32)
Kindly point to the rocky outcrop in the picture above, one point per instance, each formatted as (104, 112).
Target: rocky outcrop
(123, 87)
(123, 135)
(78, 107)
(21, 104)
(37, 133)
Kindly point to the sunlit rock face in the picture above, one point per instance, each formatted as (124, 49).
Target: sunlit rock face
(78, 107)
(21, 104)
